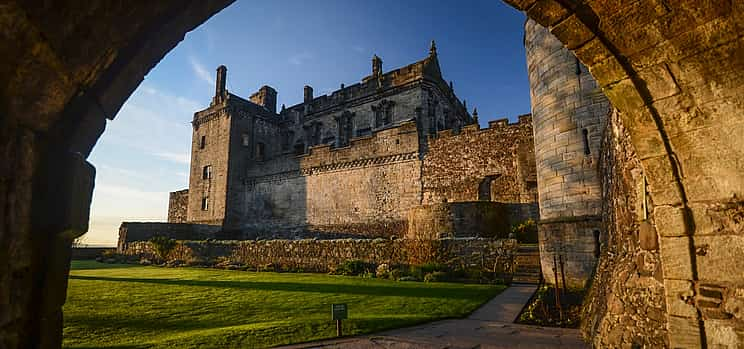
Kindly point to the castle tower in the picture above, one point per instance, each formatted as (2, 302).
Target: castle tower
(569, 112)
(208, 182)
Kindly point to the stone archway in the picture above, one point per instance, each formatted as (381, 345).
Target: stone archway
(674, 70)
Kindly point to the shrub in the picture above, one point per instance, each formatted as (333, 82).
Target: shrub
(525, 232)
(368, 275)
(162, 246)
(383, 271)
(353, 267)
(394, 274)
(437, 276)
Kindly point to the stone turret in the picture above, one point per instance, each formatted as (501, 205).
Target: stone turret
(568, 111)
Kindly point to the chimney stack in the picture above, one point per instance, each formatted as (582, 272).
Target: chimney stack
(220, 90)
(308, 94)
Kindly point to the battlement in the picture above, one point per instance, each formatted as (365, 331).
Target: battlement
(524, 120)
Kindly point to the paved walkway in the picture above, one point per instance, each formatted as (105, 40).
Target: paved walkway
(491, 326)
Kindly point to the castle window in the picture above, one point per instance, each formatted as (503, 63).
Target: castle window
(383, 113)
(203, 142)
(205, 203)
(207, 172)
(260, 151)
(246, 140)
(585, 134)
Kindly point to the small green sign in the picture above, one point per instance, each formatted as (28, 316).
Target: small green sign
(339, 311)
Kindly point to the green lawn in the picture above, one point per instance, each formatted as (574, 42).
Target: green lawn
(122, 306)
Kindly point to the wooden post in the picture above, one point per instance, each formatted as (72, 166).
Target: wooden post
(338, 328)
(563, 274)
(557, 287)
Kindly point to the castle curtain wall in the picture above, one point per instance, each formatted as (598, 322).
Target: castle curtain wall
(492, 164)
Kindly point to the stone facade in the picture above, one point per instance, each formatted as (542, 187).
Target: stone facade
(355, 161)
(325, 255)
(569, 112)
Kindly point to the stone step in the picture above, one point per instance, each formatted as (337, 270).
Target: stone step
(524, 280)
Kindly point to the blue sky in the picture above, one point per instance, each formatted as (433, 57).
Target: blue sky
(144, 152)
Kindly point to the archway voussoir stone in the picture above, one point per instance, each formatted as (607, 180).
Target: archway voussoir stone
(686, 332)
(623, 94)
(592, 52)
(675, 258)
(659, 81)
(548, 12)
(670, 221)
(521, 5)
(572, 32)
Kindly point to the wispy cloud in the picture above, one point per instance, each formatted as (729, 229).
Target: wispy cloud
(181, 158)
(123, 192)
(201, 72)
(300, 58)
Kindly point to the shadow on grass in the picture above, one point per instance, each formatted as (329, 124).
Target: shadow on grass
(396, 290)
(91, 264)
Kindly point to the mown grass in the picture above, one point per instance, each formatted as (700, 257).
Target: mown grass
(124, 306)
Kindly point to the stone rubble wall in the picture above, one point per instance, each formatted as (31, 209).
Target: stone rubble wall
(310, 255)
(625, 305)
(130, 232)
(457, 166)
(178, 205)
(459, 219)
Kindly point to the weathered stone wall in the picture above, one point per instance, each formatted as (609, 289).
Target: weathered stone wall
(214, 129)
(493, 164)
(460, 219)
(136, 231)
(569, 112)
(178, 205)
(325, 255)
(625, 305)
(365, 188)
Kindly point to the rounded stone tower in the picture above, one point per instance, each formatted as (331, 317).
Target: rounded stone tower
(569, 112)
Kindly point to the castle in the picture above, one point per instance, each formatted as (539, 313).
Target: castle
(374, 159)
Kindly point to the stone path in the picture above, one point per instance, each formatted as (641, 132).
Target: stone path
(491, 326)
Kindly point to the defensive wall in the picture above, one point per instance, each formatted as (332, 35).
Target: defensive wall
(310, 255)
